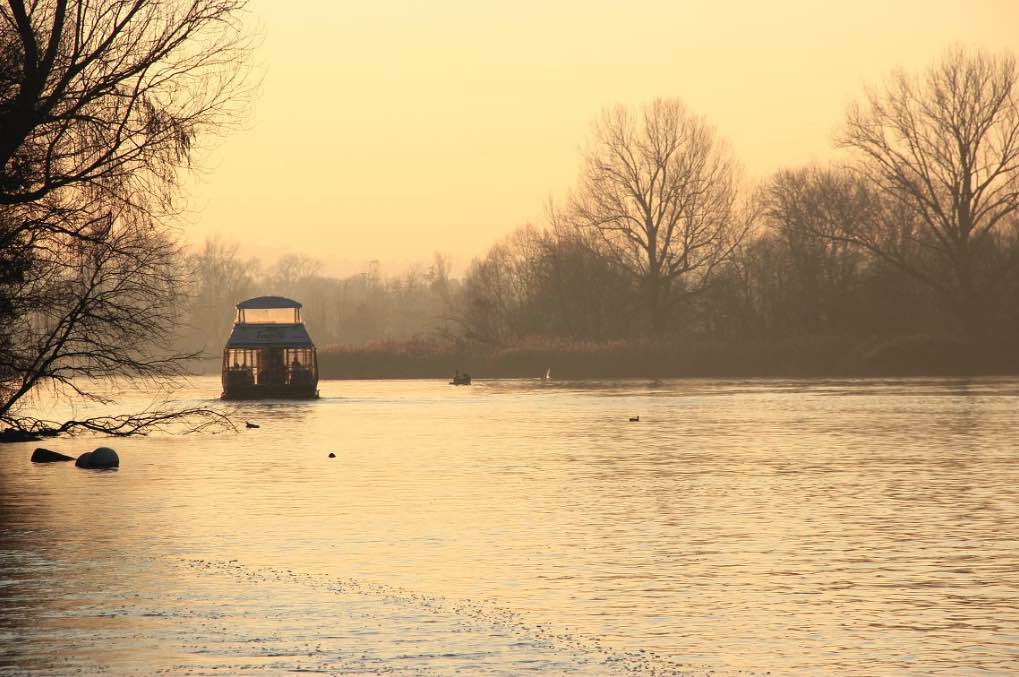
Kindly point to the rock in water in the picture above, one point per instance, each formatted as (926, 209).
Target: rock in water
(41, 455)
(332, 455)
(101, 457)
(104, 457)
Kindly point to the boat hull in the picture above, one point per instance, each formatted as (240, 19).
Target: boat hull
(271, 392)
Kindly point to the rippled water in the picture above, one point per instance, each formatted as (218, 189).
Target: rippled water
(791, 527)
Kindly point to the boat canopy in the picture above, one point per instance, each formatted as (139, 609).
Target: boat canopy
(262, 336)
(263, 302)
(269, 310)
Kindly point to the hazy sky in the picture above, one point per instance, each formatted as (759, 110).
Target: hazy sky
(390, 130)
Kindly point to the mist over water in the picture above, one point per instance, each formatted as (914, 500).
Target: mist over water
(783, 526)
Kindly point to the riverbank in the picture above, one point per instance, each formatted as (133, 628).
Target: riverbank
(802, 357)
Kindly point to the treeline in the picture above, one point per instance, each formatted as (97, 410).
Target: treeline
(663, 261)
(793, 276)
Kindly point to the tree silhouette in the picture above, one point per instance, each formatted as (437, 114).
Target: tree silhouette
(100, 105)
(941, 151)
(661, 191)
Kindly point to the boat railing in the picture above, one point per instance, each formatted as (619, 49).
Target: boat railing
(299, 375)
(241, 376)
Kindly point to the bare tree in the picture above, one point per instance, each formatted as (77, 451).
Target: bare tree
(942, 151)
(93, 313)
(219, 278)
(492, 296)
(809, 210)
(100, 104)
(291, 270)
(661, 191)
(587, 294)
(103, 98)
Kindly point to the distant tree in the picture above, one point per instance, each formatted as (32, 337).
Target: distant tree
(589, 296)
(291, 270)
(759, 279)
(941, 152)
(440, 280)
(660, 190)
(491, 299)
(100, 105)
(219, 278)
(808, 210)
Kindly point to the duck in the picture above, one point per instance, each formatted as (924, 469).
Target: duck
(634, 419)
(249, 424)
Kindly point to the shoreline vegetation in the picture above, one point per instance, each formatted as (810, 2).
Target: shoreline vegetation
(806, 357)
(921, 355)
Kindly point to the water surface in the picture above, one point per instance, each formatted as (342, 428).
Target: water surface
(792, 527)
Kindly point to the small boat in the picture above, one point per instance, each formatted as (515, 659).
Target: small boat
(460, 379)
(269, 353)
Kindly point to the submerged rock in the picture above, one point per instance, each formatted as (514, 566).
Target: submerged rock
(41, 455)
(101, 457)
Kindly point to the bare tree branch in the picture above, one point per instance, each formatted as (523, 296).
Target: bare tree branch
(661, 191)
(100, 105)
(171, 420)
(941, 153)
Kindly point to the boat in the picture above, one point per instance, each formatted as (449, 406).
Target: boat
(269, 354)
(460, 379)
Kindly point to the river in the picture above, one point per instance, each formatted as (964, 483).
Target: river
(795, 527)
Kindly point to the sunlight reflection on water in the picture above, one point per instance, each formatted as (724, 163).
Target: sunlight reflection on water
(854, 527)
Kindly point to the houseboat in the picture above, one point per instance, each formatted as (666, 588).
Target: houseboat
(269, 353)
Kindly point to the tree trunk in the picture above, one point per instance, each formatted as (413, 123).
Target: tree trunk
(656, 306)
(969, 302)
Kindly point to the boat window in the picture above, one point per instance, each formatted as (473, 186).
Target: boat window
(269, 316)
(300, 364)
(242, 359)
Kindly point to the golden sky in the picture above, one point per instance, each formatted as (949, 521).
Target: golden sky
(390, 130)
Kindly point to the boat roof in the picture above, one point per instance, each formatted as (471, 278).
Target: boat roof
(264, 302)
(264, 335)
